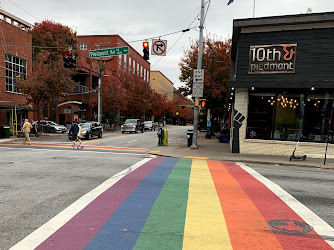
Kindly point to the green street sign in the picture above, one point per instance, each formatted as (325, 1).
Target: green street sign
(109, 52)
(191, 106)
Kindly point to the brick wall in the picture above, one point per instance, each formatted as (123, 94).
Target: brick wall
(19, 44)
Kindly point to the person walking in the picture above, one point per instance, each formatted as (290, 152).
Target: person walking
(74, 129)
(26, 129)
(80, 144)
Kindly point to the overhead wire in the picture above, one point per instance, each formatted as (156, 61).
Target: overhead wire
(209, 1)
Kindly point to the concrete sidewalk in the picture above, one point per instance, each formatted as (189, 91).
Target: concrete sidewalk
(211, 149)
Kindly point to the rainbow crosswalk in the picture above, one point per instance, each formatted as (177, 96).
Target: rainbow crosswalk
(69, 147)
(169, 203)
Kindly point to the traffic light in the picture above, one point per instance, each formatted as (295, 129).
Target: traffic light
(146, 55)
(69, 60)
(203, 103)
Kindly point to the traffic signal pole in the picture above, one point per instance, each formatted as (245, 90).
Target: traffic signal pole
(199, 66)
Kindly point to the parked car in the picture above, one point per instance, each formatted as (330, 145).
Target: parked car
(50, 127)
(89, 129)
(149, 125)
(132, 125)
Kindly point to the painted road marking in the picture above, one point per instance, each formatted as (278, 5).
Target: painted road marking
(167, 216)
(319, 225)
(196, 157)
(248, 228)
(105, 139)
(205, 223)
(184, 203)
(124, 227)
(50, 227)
(67, 147)
(155, 151)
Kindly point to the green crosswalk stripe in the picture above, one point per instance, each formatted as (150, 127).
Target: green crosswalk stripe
(164, 227)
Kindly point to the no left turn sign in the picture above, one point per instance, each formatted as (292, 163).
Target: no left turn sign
(159, 47)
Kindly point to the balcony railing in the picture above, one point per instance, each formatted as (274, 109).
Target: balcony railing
(80, 89)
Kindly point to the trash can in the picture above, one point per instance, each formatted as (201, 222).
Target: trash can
(190, 134)
(5, 131)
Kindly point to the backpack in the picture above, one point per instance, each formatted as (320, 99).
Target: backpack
(80, 130)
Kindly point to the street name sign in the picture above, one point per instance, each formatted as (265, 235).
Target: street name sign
(198, 90)
(198, 76)
(108, 52)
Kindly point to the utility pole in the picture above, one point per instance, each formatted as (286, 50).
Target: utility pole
(199, 66)
(99, 103)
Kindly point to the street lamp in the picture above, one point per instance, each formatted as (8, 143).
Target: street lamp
(209, 125)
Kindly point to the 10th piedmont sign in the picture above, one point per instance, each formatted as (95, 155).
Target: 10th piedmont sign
(109, 52)
(265, 59)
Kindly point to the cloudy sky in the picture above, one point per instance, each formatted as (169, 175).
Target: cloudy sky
(137, 20)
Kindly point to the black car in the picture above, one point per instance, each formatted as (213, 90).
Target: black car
(89, 129)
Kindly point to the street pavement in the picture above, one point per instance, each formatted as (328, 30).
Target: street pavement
(183, 198)
(213, 150)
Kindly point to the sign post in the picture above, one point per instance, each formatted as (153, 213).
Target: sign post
(99, 53)
(199, 67)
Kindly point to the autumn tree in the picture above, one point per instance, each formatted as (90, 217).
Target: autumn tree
(133, 97)
(113, 96)
(221, 69)
(39, 85)
(56, 39)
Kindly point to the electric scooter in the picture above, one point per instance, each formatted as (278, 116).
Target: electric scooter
(293, 157)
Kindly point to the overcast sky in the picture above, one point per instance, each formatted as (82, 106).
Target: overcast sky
(137, 20)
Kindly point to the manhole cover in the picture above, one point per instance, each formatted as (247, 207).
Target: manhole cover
(290, 226)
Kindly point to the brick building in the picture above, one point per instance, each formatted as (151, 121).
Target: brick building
(83, 103)
(15, 60)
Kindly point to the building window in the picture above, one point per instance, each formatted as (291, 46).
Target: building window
(120, 62)
(125, 59)
(290, 116)
(130, 65)
(83, 46)
(148, 75)
(145, 75)
(138, 69)
(15, 67)
(134, 66)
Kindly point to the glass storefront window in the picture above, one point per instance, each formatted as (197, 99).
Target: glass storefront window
(289, 116)
(260, 115)
(317, 116)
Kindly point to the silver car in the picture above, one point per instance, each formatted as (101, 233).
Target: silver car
(149, 125)
(132, 125)
(51, 127)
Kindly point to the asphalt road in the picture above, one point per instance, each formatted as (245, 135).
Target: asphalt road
(36, 184)
(311, 186)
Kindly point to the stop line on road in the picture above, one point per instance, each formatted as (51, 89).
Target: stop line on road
(185, 204)
(101, 149)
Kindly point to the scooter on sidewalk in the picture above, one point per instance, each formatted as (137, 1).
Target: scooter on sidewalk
(293, 157)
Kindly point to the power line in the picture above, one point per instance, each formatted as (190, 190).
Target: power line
(24, 10)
